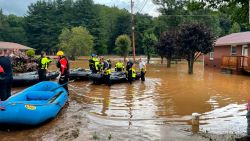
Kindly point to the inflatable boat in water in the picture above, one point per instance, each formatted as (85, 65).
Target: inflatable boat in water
(79, 74)
(34, 105)
(30, 78)
(115, 77)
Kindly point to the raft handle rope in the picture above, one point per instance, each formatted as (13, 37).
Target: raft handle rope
(15, 103)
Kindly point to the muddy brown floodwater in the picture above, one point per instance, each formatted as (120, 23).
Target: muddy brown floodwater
(158, 109)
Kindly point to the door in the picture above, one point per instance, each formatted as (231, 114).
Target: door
(245, 53)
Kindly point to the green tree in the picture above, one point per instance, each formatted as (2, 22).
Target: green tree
(172, 12)
(122, 26)
(87, 14)
(16, 32)
(41, 26)
(176, 12)
(238, 10)
(12, 29)
(3, 26)
(123, 45)
(193, 40)
(76, 41)
(235, 28)
(149, 41)
(143, 23)
(225, 23)
(30, 53)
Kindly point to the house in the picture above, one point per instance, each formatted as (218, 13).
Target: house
(230, 52)
(13, 46)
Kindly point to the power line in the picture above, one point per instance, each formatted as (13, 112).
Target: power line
(143, 6)
(139, 4)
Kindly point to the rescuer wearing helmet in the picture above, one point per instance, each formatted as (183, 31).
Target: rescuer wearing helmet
(106, 70)
(43, 64)
(93, 63)
(130, 71)
(63, 65)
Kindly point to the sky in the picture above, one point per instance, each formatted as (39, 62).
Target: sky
(19, 7)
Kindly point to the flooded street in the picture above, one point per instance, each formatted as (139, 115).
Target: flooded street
(158, 109)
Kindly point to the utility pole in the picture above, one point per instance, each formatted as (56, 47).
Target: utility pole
(133, 29)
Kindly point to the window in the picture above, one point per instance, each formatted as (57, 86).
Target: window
(211, 55)
(233, 50)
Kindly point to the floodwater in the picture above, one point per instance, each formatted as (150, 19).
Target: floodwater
(148, 110)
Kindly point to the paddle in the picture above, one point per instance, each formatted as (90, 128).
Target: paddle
(59, 86)
(52, 99)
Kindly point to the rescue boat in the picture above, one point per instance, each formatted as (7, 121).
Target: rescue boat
(34, 105)
(79, 74)
(31, 78)
(115, 77)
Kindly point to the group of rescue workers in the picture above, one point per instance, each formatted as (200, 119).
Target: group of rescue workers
(62, 64)
(100, 65)
(96, 65)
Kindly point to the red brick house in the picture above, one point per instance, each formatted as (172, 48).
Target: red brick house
(231, 51)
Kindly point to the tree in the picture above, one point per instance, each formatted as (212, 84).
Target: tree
(76, 41)
(41, 26)
(143, 24)
(87, 14)
(172, 10)
(12, 29)
(235, 28)
(149, 41)
(3, 26)
(123, 45)
(167, 46)
(238, 10)
(30, 53)
(193, 40)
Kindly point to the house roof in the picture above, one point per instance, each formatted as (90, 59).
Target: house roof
(234, 39)
(10, 45)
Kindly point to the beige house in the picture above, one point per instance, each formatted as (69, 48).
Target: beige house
(13, 46)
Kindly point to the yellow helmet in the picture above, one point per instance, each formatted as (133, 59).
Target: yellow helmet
(59, 53)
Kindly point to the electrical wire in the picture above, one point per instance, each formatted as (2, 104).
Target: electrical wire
(145, 3)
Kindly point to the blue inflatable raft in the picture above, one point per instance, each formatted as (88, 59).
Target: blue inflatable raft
(34, 105)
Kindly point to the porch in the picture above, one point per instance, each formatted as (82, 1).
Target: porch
(237, 63)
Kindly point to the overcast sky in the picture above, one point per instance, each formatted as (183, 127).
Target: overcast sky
(19, 7)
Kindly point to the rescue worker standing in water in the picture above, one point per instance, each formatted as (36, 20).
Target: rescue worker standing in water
(142, 67)
(43, 64)
(106, 70)
(129, 70)
(6, 76)
(93, 63)
(119, 66)
(63, 65)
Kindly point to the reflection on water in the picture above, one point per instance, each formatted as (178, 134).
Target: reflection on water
(170, 96)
